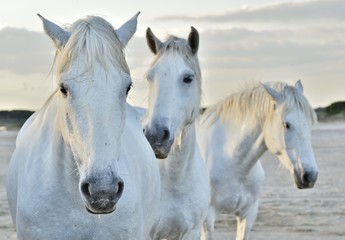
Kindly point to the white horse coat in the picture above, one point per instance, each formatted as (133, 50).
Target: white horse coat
(234, 134)
(169, 123)
(82, 168)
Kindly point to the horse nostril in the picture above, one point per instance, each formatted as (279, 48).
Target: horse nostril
(166, 135)
(85, 189)
(307, 177)
(120, 187)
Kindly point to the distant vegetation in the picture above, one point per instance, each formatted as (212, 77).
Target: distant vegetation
(333, 112)
(14, 119)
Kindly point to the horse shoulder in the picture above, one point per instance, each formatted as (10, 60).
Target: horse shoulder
(30, 170)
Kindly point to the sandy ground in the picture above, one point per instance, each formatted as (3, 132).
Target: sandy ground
(285, 213)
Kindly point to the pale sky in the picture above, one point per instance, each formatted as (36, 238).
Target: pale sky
(241, 42)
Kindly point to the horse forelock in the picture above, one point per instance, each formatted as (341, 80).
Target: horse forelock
(256, 103)
(95, 39)
(181, 47)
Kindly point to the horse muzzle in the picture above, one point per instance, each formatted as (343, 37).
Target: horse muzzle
(101, 197)
(305, 179)
(160, 141)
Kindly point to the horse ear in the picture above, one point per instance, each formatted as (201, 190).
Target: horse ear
(299, 86)
(56, 33)
(193, 40)
(277, 96)
(153, 42)
(127, 30)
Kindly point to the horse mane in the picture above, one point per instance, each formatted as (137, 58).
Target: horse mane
(255, 102)
(97, 40)
(180, 46)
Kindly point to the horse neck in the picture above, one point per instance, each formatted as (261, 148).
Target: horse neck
(183, 154)
(247, 144)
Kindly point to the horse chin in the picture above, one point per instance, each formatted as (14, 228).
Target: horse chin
(161, 156)
(100, 211)
(100, 207)
(162, 151)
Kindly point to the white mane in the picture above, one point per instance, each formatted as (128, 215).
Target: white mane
(255, 102)
(97, 40)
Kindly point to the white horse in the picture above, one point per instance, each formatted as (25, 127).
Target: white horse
(169, 124)
(232, 136)
(84, 153)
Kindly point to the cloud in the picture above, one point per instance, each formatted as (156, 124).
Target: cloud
(24, 51)
(283, 12)
(26, 58)
(243, 48)
(230, 58)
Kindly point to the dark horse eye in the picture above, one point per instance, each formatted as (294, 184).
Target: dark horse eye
(188, 79)
(287, 125)
(63, 90)
(128, 88)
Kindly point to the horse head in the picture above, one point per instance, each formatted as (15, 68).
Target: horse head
(93, 80)
(287, 133)
(174, 89)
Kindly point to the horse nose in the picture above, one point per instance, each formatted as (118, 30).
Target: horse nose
(157, 135)
(164, 134)
(309, 178)
(160, 139)
(101, 195)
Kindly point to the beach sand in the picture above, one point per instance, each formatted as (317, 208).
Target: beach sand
(285, 212)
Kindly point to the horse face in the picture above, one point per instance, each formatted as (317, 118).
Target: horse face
(174, 90)
(92, 100)
(93, 112)
(174, 100)
(288, 136)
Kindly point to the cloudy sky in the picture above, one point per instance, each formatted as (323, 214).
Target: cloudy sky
(241, 42)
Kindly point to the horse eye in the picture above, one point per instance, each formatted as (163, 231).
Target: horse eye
(188, 79)
(128, 88)
(63, 90)
(286, 125)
